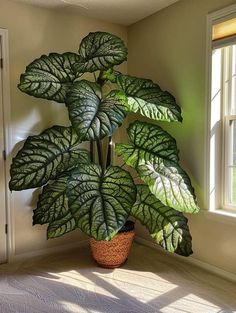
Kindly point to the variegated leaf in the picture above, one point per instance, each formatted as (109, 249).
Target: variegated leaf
(167, 226)
(170, 184)
(146, 97)
(101, 202)
(154, 154)
(100, 50)
(44, 157)
(50, 77)
(91, 116)
(52, 203)
(61, 226)
(148, 140)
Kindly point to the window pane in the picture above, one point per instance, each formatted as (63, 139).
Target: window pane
(216, 87)
(233, 186)
(232, 149)
(232, 163)
(233, 94)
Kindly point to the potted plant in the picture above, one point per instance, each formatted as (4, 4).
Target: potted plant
(83, 189)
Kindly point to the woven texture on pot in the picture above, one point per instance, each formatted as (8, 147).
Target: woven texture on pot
(113, 253)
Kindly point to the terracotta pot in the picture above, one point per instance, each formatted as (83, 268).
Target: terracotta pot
(113, 253)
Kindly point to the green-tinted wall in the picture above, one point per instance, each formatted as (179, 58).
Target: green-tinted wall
(170, 48)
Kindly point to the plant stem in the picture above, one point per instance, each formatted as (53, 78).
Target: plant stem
(99, 151)
(91, 151)
(109, 152)
(100, 81)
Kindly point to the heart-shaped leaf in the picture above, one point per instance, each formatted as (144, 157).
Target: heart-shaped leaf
(91, 116)
(52, 203)
(100, 51)
(50, 77)
(146, 97)
(167, 226)
(154, 154)
(100, 202)
(46, 156)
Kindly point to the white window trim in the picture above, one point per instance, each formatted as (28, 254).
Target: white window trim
(226, 118)
(214, 213)
(8, 141)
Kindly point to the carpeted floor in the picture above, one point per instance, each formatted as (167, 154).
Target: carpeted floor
(149, 282)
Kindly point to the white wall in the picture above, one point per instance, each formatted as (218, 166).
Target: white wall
(32, 32)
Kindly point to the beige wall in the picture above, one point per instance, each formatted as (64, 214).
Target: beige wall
(170, 48)
(32, 32)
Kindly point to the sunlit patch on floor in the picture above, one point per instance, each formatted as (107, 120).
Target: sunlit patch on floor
(150, 282)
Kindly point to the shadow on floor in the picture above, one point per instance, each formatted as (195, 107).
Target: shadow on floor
(149, 283)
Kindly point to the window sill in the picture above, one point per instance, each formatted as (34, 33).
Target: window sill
(221, 216)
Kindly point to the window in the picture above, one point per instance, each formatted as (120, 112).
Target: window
(228, 57)
(222, 163)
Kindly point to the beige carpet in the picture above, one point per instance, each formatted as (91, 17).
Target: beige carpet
(150, 282)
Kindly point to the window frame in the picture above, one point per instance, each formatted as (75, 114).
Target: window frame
(216, 194)
(227, 117)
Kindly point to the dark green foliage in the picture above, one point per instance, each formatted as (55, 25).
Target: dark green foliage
(50, 77)
(153, 153)
(147, 141)
(92, 116)
(61, 226)
(101, 202)
(52, 203)
(100, 51)
(146, 97)
(167, 226)
(98, 198)
(45, 157)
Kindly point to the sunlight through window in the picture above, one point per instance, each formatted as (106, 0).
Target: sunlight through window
(223, 114)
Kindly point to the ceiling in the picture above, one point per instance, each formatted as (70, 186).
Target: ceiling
(123, 12)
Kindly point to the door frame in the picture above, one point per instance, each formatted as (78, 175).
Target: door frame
(7, 142)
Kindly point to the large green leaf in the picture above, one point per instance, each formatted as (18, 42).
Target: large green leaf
(170, 184)
(46, 156)
(100, 51)
(148, 140)
(52, 208)
(50, 77)
(167, 226)
(61, 226)
(154, 154)
(100, 202)
(52, 203)
(146, 97)
(91, 116)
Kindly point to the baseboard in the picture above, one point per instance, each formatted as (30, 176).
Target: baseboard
(47, 251)
(210, 268)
